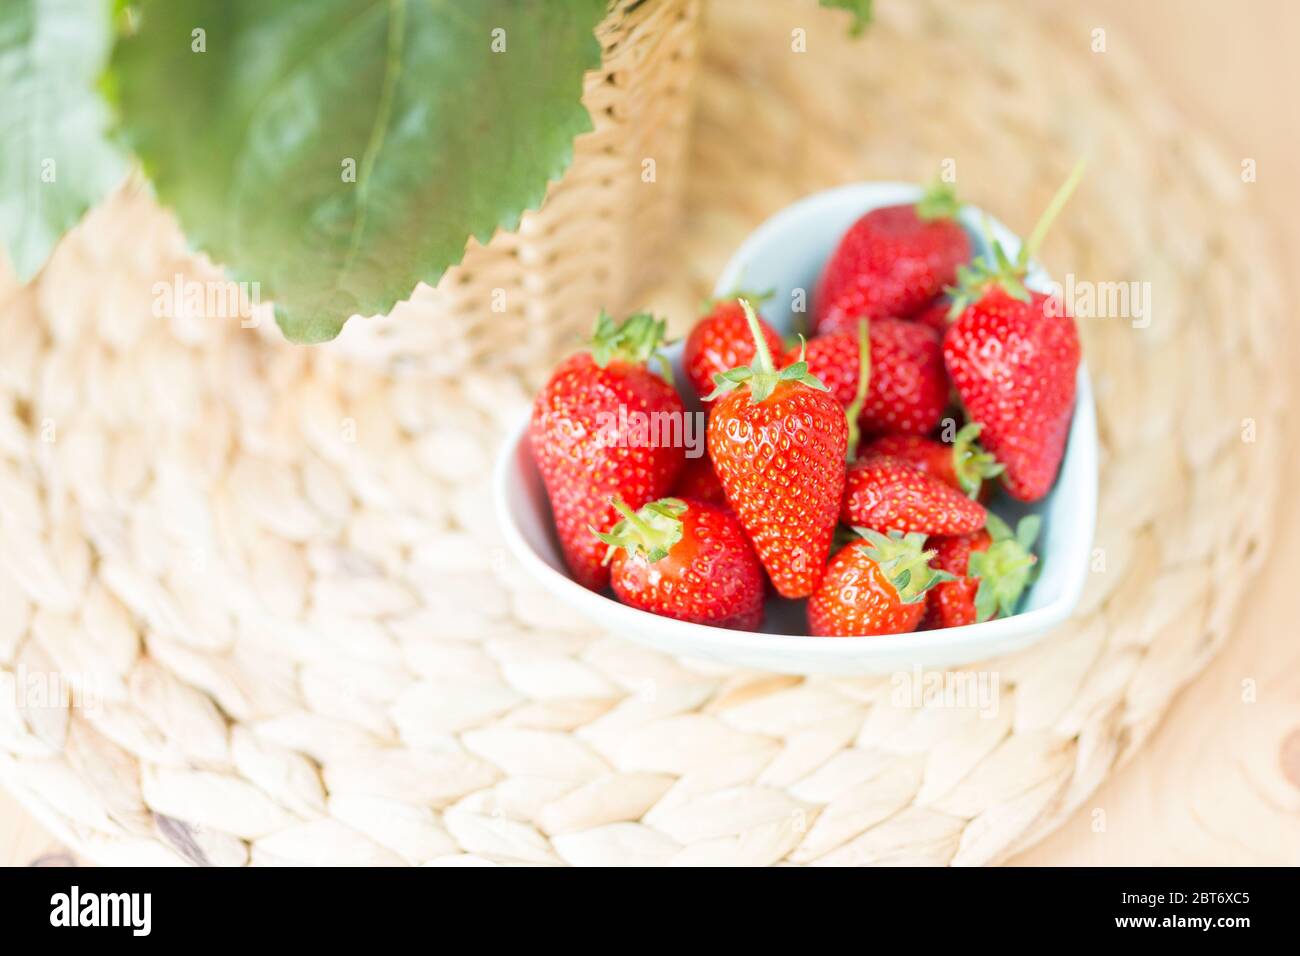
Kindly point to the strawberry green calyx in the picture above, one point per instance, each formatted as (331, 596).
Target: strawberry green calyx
(971, 462)
(653, 530)
(1005, 569)
(977, 278)
(938, 202)
(762, 377)
(904, 562)
(635, 340)
(854, 411)
(981, 275)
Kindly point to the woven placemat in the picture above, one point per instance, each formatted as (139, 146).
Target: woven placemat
(270, 581)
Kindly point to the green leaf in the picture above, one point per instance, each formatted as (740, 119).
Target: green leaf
(251, 140)
(55, 158)
(861, 10)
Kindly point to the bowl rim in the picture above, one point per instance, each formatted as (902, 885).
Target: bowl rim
(725, 643)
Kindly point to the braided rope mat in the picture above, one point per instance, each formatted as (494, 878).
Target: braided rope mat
(280, 575)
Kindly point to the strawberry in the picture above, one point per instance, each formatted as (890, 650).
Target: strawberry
(888, 494)
(952, 603)
(721, 341)
(1013, 356)
(777, 440)
(874, 586)
(892, 262)
(688, 560)
(833, 358)
(962, 465)
(924, 454)
(907, 388)
(935, 315)
(584, 447)
(992, 568)
(698, 480)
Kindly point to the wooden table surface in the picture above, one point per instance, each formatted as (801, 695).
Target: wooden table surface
(1219, 781)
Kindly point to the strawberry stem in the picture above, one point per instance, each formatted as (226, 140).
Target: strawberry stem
(995, 268)
(1062, 196)
(762, 354)
(854, 411)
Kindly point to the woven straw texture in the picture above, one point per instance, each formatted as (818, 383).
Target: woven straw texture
(278, 571)
(595, 241)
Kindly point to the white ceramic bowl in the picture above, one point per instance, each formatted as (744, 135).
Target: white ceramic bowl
(784, 254)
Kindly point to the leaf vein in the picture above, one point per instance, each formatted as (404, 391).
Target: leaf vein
(378, 132)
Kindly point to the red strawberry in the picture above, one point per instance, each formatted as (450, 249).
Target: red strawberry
(924, 454)
(1013, 356)
(688, 560)
(952, 603)
(962, 465)
(992, 568)
(584, 447)
(1014, 364)
(908, 387)
(721, 341)
(875, 586)
(777, 440)
(892, 262)
(833, 358)
(698, 480)
(935, 315)
(888, 494)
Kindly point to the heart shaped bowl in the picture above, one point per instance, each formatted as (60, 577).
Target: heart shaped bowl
(784, 255)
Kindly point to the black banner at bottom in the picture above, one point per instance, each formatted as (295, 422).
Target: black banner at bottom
(328, 905)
